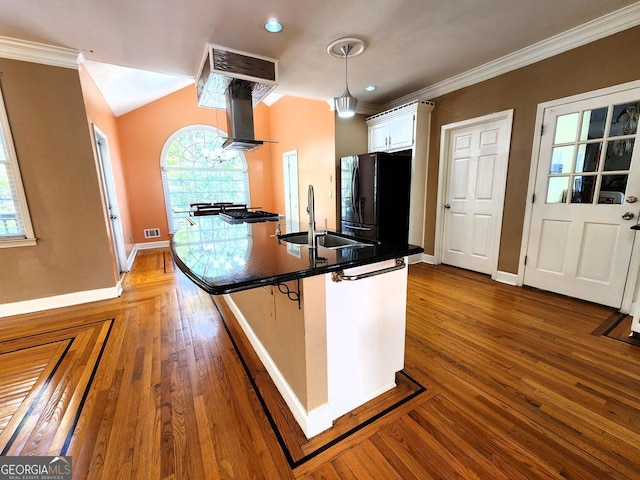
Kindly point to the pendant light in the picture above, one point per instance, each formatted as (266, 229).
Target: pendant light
(345, 105)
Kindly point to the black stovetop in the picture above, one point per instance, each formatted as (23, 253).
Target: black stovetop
(249, 216)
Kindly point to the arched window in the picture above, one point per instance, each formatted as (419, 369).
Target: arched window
(195, 169)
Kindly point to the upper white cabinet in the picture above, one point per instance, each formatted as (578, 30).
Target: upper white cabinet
(391, 134)
(407, 128)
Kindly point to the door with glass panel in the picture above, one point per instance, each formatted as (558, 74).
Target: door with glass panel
(587, 184)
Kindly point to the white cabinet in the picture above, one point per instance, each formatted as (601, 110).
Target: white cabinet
(378, 137)
(393, 134)
(407, 128)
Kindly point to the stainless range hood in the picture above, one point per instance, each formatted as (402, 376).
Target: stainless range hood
(240, 117)
(236, 81)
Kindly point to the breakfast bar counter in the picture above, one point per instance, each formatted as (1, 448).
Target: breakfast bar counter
(327, 323)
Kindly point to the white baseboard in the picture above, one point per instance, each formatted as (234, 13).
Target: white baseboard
(635, 318)
(76, 298)
(150, 245)
(144, 246)
(506, 277)
(59, 301)
(131, 259)
(312, 422)
(427, 258)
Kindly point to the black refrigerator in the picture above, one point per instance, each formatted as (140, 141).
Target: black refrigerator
(374, 195)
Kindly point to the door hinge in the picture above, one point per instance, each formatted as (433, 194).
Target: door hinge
(525, 259)
(533, 198)
(541, 129)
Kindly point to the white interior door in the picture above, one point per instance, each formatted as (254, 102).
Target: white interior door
(111, 199)
(475, 155)
(587, 181)
(291, 202)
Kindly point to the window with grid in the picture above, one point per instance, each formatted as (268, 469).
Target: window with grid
(195, 169)
(15, 223)
(591, 155)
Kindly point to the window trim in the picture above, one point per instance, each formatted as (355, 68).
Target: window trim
(164, 168)
(19, 196)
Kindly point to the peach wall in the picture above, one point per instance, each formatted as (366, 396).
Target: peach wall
(307, 126)
(100, 114)
(142, 134)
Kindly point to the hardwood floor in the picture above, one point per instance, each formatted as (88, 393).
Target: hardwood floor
(518, 387)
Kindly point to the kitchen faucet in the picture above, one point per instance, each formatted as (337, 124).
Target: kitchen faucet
(313, 234)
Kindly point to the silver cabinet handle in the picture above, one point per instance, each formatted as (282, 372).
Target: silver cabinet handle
(628, 215)
(340, 276)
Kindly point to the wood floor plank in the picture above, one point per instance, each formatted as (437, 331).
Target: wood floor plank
(518, 387)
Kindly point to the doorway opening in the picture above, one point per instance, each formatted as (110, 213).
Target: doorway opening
(111, 201)
(291, 196)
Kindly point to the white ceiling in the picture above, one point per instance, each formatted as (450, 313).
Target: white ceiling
(411, 44)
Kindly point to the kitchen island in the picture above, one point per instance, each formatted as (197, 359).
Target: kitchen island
(329, 344)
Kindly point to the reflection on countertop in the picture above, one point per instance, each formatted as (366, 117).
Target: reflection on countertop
(221, 257)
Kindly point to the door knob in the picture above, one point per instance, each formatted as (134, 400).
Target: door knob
(113, 217)
(627, 215)
(632, 199)
(446, 205)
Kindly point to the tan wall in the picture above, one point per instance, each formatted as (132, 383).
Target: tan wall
(610, 61)
(100, 114)
(281, 334)
(352, 138)
(142, 134)
(49, 126)
(295, 338)
(306, 126)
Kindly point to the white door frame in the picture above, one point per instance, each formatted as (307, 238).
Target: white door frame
(286, 171)
(111, 199)
(631, 285)
(443, 172)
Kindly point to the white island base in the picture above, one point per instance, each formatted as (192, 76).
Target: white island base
(341, 349)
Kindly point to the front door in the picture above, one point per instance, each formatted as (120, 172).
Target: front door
(476, 156)
(586, 189)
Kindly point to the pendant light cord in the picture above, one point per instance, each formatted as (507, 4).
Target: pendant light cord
(346, 49)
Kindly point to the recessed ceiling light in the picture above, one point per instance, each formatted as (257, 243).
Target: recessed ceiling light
(273, 25)
(370, 88)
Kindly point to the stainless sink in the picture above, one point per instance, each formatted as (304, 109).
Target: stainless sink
(330, 240)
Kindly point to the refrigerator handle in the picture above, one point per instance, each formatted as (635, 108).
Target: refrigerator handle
(356, 192)
(353, 190)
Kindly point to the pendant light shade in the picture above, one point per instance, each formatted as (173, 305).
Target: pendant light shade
(346, 104)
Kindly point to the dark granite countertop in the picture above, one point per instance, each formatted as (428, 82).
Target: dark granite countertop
(221, 257)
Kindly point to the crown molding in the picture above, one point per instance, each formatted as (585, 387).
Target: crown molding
(34, 52)
(601, 27)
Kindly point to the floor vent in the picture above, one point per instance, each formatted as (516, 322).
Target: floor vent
(151, 232)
